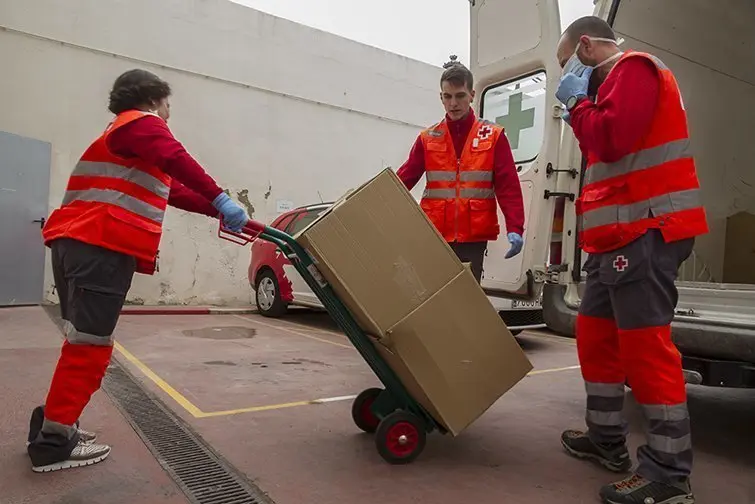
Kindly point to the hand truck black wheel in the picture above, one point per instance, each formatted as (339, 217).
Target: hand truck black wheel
(400, 437)
(361, 411)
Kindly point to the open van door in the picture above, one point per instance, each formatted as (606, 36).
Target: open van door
(513, 45)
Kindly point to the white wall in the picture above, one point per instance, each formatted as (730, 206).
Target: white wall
(268, 106)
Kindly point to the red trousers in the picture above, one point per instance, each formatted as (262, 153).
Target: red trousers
(624, 335)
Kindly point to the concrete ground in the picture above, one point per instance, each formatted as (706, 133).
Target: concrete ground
(29, 348)
(273, 397)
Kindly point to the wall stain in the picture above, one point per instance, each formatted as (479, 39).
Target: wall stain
(269, 190)
(243, 196)
(194, 271)
(166, 293)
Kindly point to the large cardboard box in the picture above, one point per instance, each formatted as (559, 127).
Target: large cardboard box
(379, 252)
(428, 317)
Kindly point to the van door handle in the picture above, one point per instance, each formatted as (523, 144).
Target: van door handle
(41, 222)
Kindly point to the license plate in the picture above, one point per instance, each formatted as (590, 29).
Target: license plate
(526, 304)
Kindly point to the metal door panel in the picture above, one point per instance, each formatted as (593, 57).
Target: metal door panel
(24, 193)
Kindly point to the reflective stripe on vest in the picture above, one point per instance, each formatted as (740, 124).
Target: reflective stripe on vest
(464, 176)
(646, 158)
(465, 193)
(115, 197)
(138, 177)
(657, 206)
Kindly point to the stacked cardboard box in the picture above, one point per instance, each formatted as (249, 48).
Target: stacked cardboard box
(428, 317)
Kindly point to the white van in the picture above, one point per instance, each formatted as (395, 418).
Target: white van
(709, 46)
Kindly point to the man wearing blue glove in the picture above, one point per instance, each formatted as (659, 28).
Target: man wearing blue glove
(639, 211)
(468, 165)
(107, 228)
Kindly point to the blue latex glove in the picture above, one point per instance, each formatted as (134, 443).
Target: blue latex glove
(516, 241)
(572, 85)
(234, 217)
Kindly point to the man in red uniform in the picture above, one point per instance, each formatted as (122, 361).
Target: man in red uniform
(107, 228)
(639, 213)
(468, 164)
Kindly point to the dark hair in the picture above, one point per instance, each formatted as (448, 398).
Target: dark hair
(589, 25)
(136, 88)
(457, 74)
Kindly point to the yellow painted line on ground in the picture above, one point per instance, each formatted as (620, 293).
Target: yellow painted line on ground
(310, 328)
(297, 333)
(254, 409)
(552, 370)
(164, 386)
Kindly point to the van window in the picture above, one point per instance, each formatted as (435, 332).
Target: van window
(519, 106)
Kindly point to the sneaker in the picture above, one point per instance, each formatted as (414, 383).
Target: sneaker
(614, 458)
(84, 454)
(638, 490)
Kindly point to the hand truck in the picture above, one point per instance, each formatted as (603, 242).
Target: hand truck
(399, 422)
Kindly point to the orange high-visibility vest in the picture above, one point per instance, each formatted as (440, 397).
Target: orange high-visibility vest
(114, 203)
(653, 187)
(459, 197)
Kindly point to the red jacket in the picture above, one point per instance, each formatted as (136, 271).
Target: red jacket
(506, 184)
(150, 139)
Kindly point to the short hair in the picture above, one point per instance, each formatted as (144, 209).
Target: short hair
(457, 74)
(136, 88)
(591, 26)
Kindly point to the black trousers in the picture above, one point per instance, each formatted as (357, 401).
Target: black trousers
(473, 253)
(92, 283)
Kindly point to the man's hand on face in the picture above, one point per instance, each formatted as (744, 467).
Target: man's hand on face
(573, 85)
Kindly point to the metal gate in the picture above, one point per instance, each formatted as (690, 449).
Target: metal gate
(24, 193)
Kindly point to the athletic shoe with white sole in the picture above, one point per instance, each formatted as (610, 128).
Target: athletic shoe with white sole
(84, 454)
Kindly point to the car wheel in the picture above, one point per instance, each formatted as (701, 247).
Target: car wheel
(268, 296)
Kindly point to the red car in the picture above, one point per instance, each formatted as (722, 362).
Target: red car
(275, 281)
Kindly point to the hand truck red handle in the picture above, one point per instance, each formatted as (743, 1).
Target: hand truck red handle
(251, 231)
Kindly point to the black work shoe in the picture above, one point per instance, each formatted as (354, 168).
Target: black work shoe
(638, 490)
(614, 457)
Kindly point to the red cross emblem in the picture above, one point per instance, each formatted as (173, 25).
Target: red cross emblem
(620, 263)
(484, 132)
